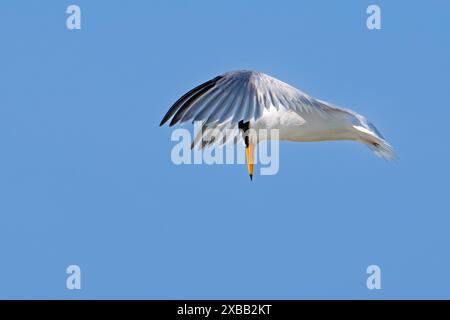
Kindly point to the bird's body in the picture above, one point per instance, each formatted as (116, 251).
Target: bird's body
(292, 126)
(253, 100)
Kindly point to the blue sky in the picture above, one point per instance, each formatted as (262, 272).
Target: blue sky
(86, 176)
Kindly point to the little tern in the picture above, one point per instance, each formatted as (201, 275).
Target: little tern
(253, 100)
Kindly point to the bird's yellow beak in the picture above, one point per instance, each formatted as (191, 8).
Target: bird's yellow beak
(249, 155)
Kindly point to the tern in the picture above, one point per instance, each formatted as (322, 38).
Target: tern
(253, 100)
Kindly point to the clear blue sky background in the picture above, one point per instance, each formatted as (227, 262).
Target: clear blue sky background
(86, 176)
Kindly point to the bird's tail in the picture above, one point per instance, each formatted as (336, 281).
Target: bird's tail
(372, 137)
(383, 149)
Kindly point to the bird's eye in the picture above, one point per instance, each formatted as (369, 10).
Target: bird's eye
(376, 144)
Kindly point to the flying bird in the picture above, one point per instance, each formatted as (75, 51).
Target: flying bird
(254, 100)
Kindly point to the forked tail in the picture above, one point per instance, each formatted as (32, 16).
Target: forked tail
(383, 149)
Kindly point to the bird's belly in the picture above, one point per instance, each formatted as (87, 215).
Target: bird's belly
(294, 127)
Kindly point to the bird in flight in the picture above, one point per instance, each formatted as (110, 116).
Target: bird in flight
(253, 100)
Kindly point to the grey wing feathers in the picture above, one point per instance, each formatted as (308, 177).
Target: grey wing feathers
(241, 96)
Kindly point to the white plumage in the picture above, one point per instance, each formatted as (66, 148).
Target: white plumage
(254, 100)
(268, 103)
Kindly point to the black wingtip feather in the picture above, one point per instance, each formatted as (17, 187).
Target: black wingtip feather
(180, 113)
(181, 101)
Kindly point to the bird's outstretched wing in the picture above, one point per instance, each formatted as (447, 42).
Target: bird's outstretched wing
(240, 96)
